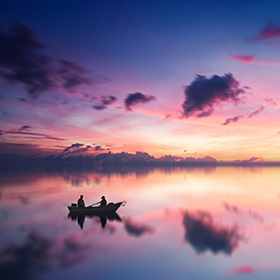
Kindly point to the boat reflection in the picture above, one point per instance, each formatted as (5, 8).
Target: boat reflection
(103, 217)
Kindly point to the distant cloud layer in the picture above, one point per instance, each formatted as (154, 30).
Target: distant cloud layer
(203, 94)
(136, 98)
(203, 234)
(22, 62)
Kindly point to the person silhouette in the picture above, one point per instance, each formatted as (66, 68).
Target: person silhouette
(103, 201)
(81, 202)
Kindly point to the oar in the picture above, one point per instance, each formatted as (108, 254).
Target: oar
(94, 203)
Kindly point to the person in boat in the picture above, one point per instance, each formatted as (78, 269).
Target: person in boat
(81, 202)
(103, 201)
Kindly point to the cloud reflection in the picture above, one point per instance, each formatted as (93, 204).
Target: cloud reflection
(203, 234)
(39, 254)
(136, 229)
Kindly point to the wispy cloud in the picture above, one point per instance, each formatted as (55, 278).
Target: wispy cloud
(203, 94)
(271, 30)
(104, 102)
(245, 269)
(21, 131)
(238, 117)
(243, 58)
(252, 114)
(234, 119)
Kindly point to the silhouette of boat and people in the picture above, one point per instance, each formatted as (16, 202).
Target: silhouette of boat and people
(78, 211)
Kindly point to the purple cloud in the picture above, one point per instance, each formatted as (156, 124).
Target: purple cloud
(203, 94)
(252, 114)
(77, 145)
(234, 119)
(104, 102)
(135, 98)
(237, 118)
(22, 62)
(25, 127)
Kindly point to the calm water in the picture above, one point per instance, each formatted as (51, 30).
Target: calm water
(199, 223)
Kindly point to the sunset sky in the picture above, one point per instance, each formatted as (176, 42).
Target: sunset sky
(185, 78)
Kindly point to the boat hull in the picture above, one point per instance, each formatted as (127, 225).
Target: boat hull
(109, 208)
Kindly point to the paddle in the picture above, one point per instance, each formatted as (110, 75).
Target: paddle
(94, 203)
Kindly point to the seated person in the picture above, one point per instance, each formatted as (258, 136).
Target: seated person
(103, 201)
(81, 202)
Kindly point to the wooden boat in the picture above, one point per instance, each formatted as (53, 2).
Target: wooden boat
(109, 208)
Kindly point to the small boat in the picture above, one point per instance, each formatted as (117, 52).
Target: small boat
(109, 208)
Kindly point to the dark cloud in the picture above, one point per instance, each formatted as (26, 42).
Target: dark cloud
(22, 62)
(234, 119)
(252, 114)
(137, 229)
(271, 30)
(203, 234)
(25, 127)
(104, 102)
(38, 255)
(77, 145)
(135, 98)
(203, 94)
(98, 148)
(72, 75)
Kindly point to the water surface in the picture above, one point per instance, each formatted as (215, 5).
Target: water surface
(178, 223)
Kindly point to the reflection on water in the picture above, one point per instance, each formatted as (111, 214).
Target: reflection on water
(80, 218)
(195, 223)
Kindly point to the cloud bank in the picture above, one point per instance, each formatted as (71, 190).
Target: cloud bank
(203, 94)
